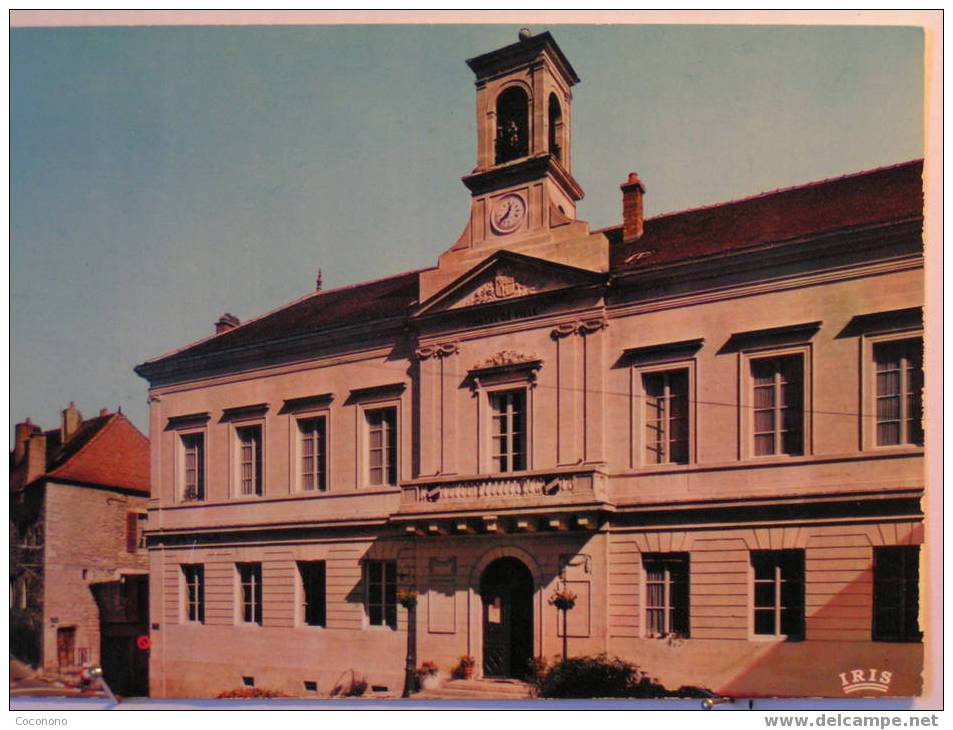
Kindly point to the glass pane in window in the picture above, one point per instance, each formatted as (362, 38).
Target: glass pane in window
(791, 621)
(764, 444)
(763, 421)
(764, 595)
(655, 621)
(764, 621)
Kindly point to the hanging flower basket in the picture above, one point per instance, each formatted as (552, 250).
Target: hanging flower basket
(407, 599)
(563, 599)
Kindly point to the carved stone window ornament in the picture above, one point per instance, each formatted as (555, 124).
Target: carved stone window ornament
(584, 327)
(445, 349)
(504, 362)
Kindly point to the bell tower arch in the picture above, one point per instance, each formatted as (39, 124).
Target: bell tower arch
(524, 102)
(523, 193)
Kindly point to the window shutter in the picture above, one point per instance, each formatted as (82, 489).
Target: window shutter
(132, 530)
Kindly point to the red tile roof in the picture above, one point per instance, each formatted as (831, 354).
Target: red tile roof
(379, 299)
(884, 195)
(107, 450)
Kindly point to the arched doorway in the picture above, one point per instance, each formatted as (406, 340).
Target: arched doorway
(506, 590)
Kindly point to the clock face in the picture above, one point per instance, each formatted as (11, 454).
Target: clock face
(507, 214)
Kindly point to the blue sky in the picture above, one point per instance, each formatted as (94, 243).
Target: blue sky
(163, 176)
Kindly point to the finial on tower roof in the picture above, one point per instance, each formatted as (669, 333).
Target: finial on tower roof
(319, 282)
(525, 34)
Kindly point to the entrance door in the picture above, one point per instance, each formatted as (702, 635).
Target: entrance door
(66, 647)
(123, 621)
(507, 592)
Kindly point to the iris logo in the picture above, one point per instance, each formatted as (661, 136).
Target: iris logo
(860, 680)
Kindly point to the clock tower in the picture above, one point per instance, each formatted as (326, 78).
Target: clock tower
(523, 194)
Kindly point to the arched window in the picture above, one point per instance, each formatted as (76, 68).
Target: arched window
(555, 127)
(512, 125)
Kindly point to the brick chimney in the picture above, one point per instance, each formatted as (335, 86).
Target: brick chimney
(632, 193)
(70, 423)
(23, 431)
(36, 456)
(226, 322)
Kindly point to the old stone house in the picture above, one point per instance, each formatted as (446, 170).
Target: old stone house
(78, 563)
(706, 425)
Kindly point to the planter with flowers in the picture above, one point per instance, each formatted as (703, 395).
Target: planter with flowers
(428, 675)
(464, 668)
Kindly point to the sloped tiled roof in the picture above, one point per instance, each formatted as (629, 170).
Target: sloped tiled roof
(107, 450)
(390, 297)
(884, 195)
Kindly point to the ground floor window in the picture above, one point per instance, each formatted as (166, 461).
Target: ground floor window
(666, 593)
(896, 593)
(314, 592)
(778, 593)
(194, 578)
(381, 600)
(249, 575)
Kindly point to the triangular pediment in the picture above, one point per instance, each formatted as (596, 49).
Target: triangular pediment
(506, 276)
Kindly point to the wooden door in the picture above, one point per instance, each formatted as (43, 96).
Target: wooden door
(497, 631)
(66, 646)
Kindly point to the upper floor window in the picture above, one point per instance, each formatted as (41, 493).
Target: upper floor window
(512, 125)
(778, 593)
(249, 460)
(312, 454)
(508, 430)
(381, 446)
(899, 392)
(250, 593)
(193, 578)
(313, 592)
(666, 593)
(778, 405)
(896, 593)
(380, 577)
(193, 458)
(666, 417)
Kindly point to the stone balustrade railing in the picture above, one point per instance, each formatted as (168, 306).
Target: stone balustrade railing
(492, 489)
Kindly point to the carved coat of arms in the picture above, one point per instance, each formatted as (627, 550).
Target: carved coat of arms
(503, 286)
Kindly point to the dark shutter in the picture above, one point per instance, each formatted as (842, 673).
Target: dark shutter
(132, 531)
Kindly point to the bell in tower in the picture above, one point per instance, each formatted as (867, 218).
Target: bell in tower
(523, 194)
(523, 111)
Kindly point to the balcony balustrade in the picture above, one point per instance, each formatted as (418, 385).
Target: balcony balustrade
(496, 491)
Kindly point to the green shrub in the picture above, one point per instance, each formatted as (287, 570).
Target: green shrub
(596, 676)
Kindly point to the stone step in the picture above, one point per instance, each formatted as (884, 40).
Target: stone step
(477, 689)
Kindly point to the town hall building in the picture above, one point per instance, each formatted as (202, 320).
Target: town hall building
(707, 425)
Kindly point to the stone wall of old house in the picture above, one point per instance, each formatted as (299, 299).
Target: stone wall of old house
(86, 543)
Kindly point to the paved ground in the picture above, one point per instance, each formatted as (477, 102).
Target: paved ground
(26, 682)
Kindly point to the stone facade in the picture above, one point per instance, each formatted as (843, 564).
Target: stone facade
(81, 553)
(676, 419)
(77, 525)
